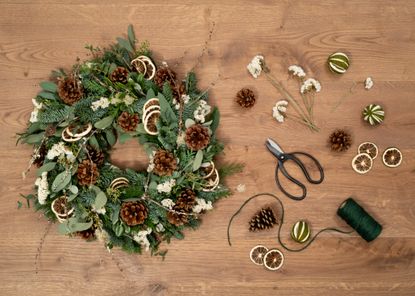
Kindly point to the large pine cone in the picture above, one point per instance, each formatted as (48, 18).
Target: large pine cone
(120, 74)
(128, 122)
(40, 157)
(245, 98)
(177, 218)
(164, 74)
(87, 173)
(340, 141)
(97, 156)
(186, 200)
(197, 137)
(70, 90)
(164, 163)
(133, 213)
(263, 220)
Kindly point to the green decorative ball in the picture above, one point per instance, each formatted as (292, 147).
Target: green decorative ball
(373, 114)
(338, 62)
(300, 231)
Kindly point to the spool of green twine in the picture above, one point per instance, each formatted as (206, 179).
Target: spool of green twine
(364, 224)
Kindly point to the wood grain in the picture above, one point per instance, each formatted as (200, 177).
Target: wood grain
(217, 39)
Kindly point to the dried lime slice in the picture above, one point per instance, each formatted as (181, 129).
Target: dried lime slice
(392, 157)
(273, 259)
(362, 163)
(257, 254)
(369, 148)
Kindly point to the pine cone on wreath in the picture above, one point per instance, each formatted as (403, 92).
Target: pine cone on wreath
(263, 220)
(70, 89)
(197, 137)
(128, 122)
(133, 213)
(97, 156)
(340, 141)
(186, 200)
(88, 173)
(179, 91)
(120, 74)
(245, 98)
(88, 234)
(177, 218)
(164, 74)
(40, 157)
(164, 163)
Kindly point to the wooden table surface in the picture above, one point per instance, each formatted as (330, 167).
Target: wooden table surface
(218, 39)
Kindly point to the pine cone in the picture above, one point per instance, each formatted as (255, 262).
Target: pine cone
(120, 74)
(179, 91)
(97, 156)
(50, 130)
(340, 141)
(133, 213)
(40, 157)
(128, 122)
(70, 90)
(88, 234)
(186, 200)
(197, 137)
(164, 74)
(245, 98)
(262, 220)
(87, 173)
(177, 218)
(164, 163)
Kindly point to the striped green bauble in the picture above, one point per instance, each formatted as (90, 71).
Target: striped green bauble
(300, 232)
(373, 114)
(338, 62)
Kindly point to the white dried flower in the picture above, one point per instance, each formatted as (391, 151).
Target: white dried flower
(202, 205)
(128, 100)
(201, 111)
(166, 187)
(115, 100)
(101, 103)
(278, 111)
(168, 203)
(181, 139)
(60, 150)
(309, 85)
(102, 235)
(141, 238)
(42, 188)
(296, 70)
(98, 211)
(241, 188)
(150, 167)
(255, 66)
(160, 227)
(34, 115)
(368, 83)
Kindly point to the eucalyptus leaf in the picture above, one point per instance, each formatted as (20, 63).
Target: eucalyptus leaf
(208, 123)
(49, 86)
(140, 129)
(131, 35)
(197, 162)
(115, 214)
(119, 230)
(125, 44)
(104, 123)
(34, 127)
(100, 200)
(215, 115)
(167, 112)
(71, 197)
(109, 134)
(153, 185)
(79, 226)
(34, 138)
(61, 181)
(47, 167)
(124, 138)
(93, 142)
(73, 189)
(150, 94)
(47, 95)
(189, 122)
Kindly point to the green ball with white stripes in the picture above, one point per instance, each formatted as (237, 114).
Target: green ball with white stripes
(338, 62)
(373, 114)
(300, 232)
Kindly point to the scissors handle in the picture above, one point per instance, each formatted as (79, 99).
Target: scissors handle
(291, 156)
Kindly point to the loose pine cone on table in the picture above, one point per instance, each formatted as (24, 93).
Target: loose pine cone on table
(128, 122)
(87, 173)
(340, 141)
(263, 220)
(177, 216)
(164, 74)
(133, 213)
(197, 137)
(245, 98)
(70, 89)
(120, 74)
(164, 163)
(186, 200)
(97, 156)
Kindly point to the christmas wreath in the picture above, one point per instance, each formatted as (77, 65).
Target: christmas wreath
(116, 95)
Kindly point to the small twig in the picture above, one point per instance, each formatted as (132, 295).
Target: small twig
(40, 246)
(350, 92)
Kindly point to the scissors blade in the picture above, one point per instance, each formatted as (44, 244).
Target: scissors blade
(273, 147)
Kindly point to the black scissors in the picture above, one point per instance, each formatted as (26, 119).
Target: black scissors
(282, 157)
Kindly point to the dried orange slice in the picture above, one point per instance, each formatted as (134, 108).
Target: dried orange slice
(207, 169)
(150, 109)
(150, 122)
(149, 103)
(67, 138)
(369, 148)
(273, 259)
(139, 65)
(78, 130)
(257, 254)
(151, 68)
(362, 163)
(212, 181)
(392, 157)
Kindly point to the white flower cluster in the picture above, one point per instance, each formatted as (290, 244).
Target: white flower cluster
(296, 71)
(160, 227)
(181, 139)
(102, 235)
(150, 167)
(368, 83)
(35, 112)
(166, 186)
(201, 111)
(60, 150)
(309, 85)
(185, 100)
(104, 102)
(255, 66)
(42, 188)
(278, 111)
(241, 188)
(202, 205)
(141, 238)
(101, 103)
(168, 203)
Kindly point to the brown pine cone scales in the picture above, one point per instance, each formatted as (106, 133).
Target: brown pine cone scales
(164, 163)
(186, 200)
(264, 219)
(133, 213)
(179, 91)
(340, 140)
(164, 74)
(88, 173)
(177, 218)
(88, 234)
(245, 98)
(197, 137)
(128, 122)
(70, 90)
(97, 156)
(39, 158)
(120, 74)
